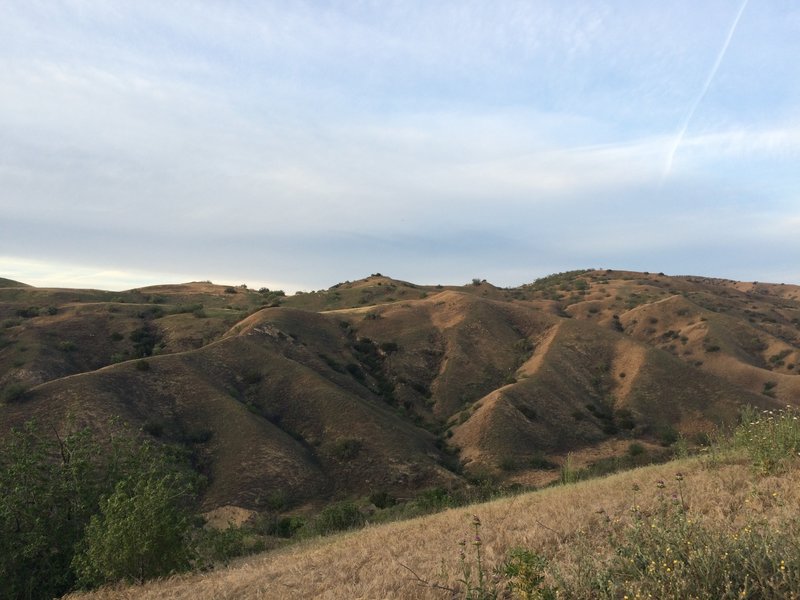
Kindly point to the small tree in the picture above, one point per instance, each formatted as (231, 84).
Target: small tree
(142, 531)
(143, 527)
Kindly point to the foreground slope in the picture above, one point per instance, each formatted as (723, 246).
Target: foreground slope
(565, 524)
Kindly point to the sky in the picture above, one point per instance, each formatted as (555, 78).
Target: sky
(295, 145)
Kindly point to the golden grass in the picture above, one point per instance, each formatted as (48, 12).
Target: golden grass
(370, 563)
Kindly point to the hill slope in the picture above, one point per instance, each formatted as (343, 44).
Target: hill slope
(383, 385)
(570, 526)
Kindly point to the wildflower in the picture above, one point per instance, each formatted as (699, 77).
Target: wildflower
(476, 520)
(678, 476)
(635, 487)
(476, 541)
(660, 484)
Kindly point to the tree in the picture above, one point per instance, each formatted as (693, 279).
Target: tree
(49, 488)
(141, 531)
(69, 501)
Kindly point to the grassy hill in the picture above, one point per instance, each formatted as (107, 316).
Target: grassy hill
(4, 283)
(379, 385)
(715, 526)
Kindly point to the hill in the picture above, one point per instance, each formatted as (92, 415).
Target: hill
(11, 283)
(690, 528)
(379, 385)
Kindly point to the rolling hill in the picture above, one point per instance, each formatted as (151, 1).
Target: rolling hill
(289, 403)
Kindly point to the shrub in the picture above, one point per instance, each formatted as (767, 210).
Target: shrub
(347, 448)
(382, 499)
(771, 439)
(636, 449)
(667, 435)
(14, 392)
(389, 347)
(141, 532)
(338, 517)
(52, 485)
(671, 553)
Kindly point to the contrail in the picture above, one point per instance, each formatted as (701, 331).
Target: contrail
(701, 95)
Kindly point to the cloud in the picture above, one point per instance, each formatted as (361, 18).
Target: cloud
(305, 142)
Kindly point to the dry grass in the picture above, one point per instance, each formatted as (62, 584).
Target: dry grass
(554, 522)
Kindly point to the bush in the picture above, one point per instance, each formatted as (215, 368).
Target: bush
(338, 517)
(382, 499)
(771, 439)
(52, 485)
(141, 532)
(636, 449)
(14, 392)
(671, 553)
(347, 448)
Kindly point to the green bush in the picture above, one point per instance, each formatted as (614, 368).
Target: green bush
(142, 531)
(347, 448)
(52, 486)
(14, 392)
(338, 517)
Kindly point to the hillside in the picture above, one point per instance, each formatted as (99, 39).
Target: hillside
(719, 537)
(379, 385)
(4, 283)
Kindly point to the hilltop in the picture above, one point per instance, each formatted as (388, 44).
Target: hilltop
(289, 403)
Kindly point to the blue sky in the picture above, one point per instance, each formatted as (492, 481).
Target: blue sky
(299, 144)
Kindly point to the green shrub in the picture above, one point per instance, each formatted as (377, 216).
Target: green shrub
(142, 531)
(52, 484)
(347, 448)
(636, 449)
(338, 517)
(382, 499)
(14, 392)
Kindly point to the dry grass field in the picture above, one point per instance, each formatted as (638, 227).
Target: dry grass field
(569, 525)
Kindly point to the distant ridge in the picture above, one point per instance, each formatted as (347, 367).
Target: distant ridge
(7, 283)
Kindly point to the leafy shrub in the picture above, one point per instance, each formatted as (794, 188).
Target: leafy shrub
(54, 484)
(382, 499)
(667, 435)
(636, 449)
(389, 347)
(145, 339)
(347, 448)
(142, 531)
(338, 517)
(14, 392)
